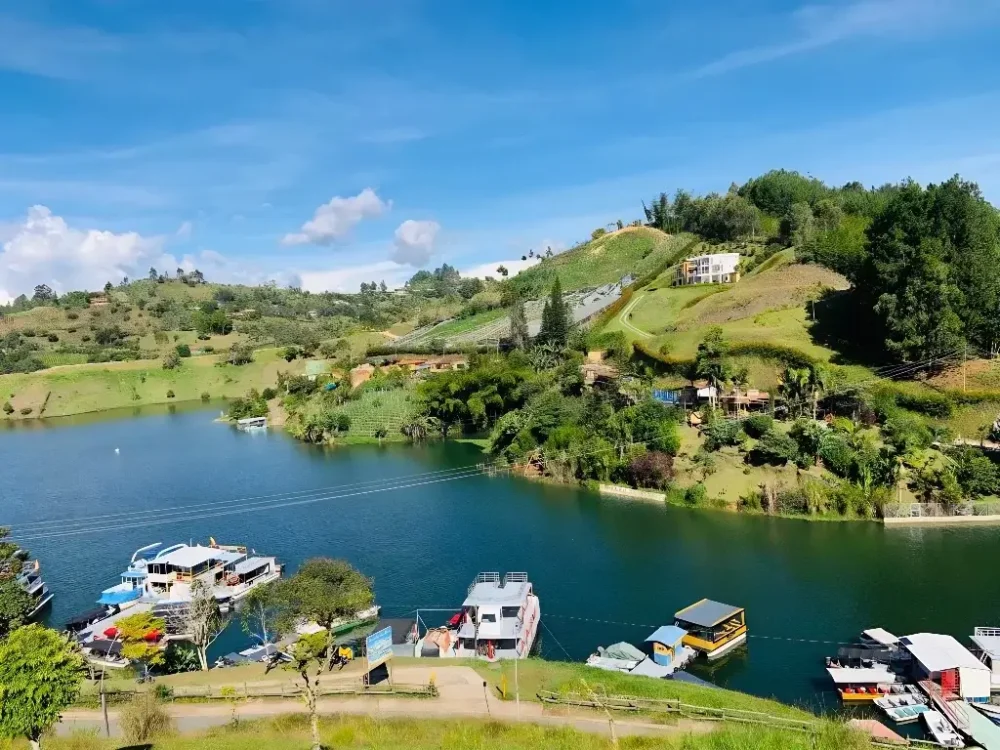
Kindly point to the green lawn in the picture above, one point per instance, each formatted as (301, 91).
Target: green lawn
(78, 389)
(291, 732)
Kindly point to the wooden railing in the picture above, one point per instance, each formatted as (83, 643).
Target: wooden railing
(633, 704)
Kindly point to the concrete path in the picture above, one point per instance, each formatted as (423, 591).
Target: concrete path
(461, 695)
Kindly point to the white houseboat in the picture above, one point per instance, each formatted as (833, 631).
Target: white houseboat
(30, 579)
(163, 576)
(500, 618)
(987, 640)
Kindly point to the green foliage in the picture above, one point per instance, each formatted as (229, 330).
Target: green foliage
(778, 190)
(976, 474)
(906, 432)
(136, 635)
(7, 408)
(18, 355)
(240, 354)
(171, 360)
(519, 337)
(144, 718)
(757, 424)
(722, 432)
(711, 361)
(183, 350)
(775, 448)
(555, 319)
(653, 469)
(808, 435)
(254, 404)
(696, 494)
(15, 603)
(212, 322)
(837, 454)
(41, 673)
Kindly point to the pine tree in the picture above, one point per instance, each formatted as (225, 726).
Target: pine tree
(518, 325)
(555, 318)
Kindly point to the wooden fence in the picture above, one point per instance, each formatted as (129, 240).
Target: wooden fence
(633, 704)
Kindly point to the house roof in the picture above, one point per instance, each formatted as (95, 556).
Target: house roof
(667, 634)
(707, 613)
(938, 653)
(190, 557)
(988, 643)
(250, 565)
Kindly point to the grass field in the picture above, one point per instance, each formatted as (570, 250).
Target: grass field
(633, 250)
(78, 389)
(291, 732)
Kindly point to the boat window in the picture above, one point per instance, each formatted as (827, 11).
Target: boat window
(510, 611)
(487, 617)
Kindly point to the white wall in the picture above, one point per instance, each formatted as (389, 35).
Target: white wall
(974, 684)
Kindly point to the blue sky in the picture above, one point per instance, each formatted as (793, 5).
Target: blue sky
(326, 142)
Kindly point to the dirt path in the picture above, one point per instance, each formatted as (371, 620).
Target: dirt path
(461, 696)
(623, 317)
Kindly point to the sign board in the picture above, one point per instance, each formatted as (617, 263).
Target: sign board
(379, 647)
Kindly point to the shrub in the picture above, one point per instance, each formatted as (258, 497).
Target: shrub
(7, 408)
(183, 350)
(774, 448)
(931, 404)
(170, 394)
(26, 411)
(205, 396)
(171, 360)
(85, 337)
(28, 332)
(70, 330)
(208, 349)
(240, 354)
(268, 393)
(757, 425)
(722, 432)
(143, 718)
(163, 692)
(653, 469)
(837, 454)
(52, 337)
(696, 494)
(598, 233)
(72, 315)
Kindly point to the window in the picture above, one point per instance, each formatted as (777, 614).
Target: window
(487, 617)
(506, 612)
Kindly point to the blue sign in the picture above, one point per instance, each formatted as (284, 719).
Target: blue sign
(667, 397)
(379, 647)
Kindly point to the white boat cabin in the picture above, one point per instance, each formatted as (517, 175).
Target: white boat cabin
(500, 618)
(988, 642)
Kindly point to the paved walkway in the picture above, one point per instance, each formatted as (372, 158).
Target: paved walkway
(461, 695)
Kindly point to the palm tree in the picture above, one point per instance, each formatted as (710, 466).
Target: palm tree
(741, 381)
(819, 383)
(420, 427)
(795, 387)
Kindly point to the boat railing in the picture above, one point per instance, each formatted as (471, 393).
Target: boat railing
(986, 632)
(484, 578)
(515, 578)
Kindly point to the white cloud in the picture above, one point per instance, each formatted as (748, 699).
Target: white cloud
(218, 267)
(349, 278)
(336, 219)
(415, 242)
(514, 267)
(45, 249)
(822, 25)
(184, 230)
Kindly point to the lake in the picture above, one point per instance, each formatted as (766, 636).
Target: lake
(605, 570)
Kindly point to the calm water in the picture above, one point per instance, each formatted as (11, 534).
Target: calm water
(590, 558)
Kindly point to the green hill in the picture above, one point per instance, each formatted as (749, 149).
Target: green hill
(632, 251)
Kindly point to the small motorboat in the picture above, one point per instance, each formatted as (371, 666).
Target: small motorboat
(941, 730)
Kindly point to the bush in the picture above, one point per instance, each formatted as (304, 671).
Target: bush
(72, 315)
(7, 408)
(931, 404)
(205, 396)
(240, 354)
(653, 469)
(268, 393)
(208, 349)
(758, 425)
(85, 337)
(26, 411)
(598, 233)
(70, 330)
(722, 432)
(143, 718)
(171, 360)
(696, 494)
(774, 448)
(837, 454)
(183, 350)
(170, 394)
(52, 337)
(28, 332)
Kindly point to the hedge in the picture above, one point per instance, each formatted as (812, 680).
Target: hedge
(785, 354)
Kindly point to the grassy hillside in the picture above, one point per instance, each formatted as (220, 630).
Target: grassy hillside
(78, 389)
(632, 250)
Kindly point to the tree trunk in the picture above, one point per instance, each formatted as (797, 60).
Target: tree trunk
(35, 743)
(330, 638)
(203, 657)
(311, 697)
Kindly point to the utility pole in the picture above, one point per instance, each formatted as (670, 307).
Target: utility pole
(965, 357)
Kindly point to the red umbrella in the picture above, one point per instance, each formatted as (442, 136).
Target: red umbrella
(111, 632)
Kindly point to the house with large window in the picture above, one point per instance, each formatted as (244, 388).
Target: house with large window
(716, 268)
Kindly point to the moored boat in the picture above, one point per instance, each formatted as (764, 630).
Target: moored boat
(862, 684)
(941, 729)
(499, 619)
(712, 628)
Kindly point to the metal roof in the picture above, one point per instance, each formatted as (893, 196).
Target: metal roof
(846, 676)
(668, 634)
(988, 643)
(707, 613)
(881, 636)
(190, 557)
(938, 653)
(250, 564)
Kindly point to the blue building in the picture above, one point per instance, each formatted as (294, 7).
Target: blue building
(667, 642)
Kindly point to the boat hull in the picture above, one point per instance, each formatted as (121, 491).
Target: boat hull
(40, 607)
(726, 647)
